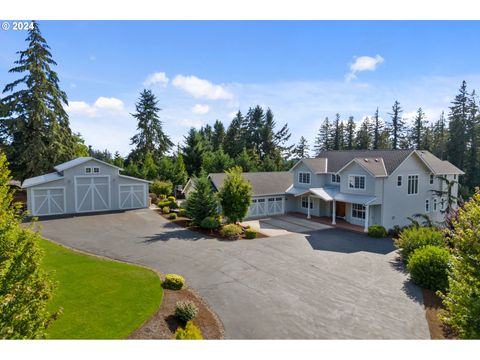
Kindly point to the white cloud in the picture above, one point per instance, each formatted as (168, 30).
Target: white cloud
(201, 109)
(191, 123)
(201, 89)
(159, 78)
(102, 104)
(110, 103)
(363, 63)
(80, 107)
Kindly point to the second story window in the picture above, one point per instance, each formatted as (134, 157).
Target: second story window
(304, 177)
(399, 180)
(356, 182)
(427, 205)
(88, 170)
(431, 179)
(412, 184)
(96, 170)
(335, 178)
(435, 204)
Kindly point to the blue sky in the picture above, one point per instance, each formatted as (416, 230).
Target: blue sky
(202, 71)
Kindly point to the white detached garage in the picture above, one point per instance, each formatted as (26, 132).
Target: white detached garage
(84, 185)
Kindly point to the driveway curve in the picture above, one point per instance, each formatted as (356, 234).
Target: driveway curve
(327, 284)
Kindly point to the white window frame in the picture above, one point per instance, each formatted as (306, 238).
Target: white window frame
(306, 201)
(432, 178)
(88, 170)
(335, 179)
(435, 204)
(358, 209)
(413, 176)
(305, 173)
(96, 168)
(359, 182)
(427, 205)
(400, 177)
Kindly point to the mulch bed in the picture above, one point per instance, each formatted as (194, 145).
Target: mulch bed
(433, 306)
(163, 323)
(185, 222)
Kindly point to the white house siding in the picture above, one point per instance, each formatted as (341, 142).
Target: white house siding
(355, 169)
(315, 180)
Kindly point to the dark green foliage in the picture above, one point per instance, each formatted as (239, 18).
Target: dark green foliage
(395, 231)
(201, 202)
(149, 168)
(378, 128)
(161, 187)
(250, 234)
(418, 130)
(413, 238)
(301, 150)
(36, 126)
(215, 162)
(397, 126)
(363, 139)
(350, 134)
(210, 222)
(235, 139)
(235, 195)
(182, 212)
(218, 136)
(193, 152)
(428, 267)
(24, 288)
(323, 141)
(377, 231)
(191, 332)
(231, 231)
(118, 160)
(173, 282)
(103, 155)
(185, 310)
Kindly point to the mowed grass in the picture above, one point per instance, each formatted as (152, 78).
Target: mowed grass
(101, 299)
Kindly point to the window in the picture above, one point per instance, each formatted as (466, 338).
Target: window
(431, 179)
(442, 204)
(412, 184)
(435, 204)
(358, 211)
(427, 205)
(454, 176)
(335, 178)
(305, 202)
(399, 180)
(88, 170)
(356, 182)
(304, 177)
(96, 170)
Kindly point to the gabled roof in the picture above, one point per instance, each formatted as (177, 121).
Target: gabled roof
(374, 166)
(41, 179)
(78, 161)
(263, 183)
(436, 165)
(317, 165)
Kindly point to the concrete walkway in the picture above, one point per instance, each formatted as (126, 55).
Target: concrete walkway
(284, 225)
(325, 284)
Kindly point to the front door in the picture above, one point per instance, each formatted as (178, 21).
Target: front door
(340, 205)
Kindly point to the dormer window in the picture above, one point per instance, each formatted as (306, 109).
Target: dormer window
(335, 178)
(431, 179)
(304, 177)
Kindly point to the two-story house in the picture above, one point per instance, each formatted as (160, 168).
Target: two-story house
(363, 187)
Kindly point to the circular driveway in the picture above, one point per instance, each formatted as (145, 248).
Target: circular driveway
(326, 284)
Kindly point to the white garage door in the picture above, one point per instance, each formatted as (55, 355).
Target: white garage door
(48, 201)
(132, 196)
(266, 206)
(92, 193)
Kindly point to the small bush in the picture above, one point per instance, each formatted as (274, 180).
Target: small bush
(250, 234)
(162, 197)
(171, 198)
(153, 198)
(161, 187)
(210, 222)
(182, 212)
(173, 282)
(172, 204)
(191, 332)
(231, 231)
(377, 231)
(172, 216)
(413, 238)
(428, 267)
(395, 231)
(166, 210)
(185, 310)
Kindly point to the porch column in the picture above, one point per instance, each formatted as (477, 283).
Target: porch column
(308, 208)
(366, 219)
(334, 212)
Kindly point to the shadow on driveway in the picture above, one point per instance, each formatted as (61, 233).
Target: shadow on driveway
(339, 240)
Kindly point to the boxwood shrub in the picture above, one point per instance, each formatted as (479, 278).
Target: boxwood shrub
(166, 210)
(231, 231)
(173, 282)
(413, 238)
(185, 310)
(210, 222)
(428, 267)
(172, 216)
(250, 234)
(191, 332)
(182, 212)
(377, 231)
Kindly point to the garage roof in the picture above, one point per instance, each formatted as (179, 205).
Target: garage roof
(79, 161)
(41, 179)
(263, 183)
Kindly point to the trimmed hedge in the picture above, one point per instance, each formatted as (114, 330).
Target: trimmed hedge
(185, 310)
(182, 212)
(377, 231)
(166, 210)
(173, 282)
(250, 234)
(411, 239)
(172, 216)
(428, 267)
(191, 332)
(231, 231)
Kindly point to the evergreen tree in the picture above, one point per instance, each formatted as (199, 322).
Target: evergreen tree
(150, 136)
(218, 136)
(149, 168)
(418, 129)
(118, 160)
(427, 141)
(342, 136)
(302, 149)
(472, 171)
(323, 141)
(206, 134)
(255, 122)
(457, 141)
(216, 162)
(235, 195)
(350, 134)
(180, 175)
(36, 125)
(440, 138)
(193, 152)
(364, 138)
(397, 125)
(336, 133)
(235, 136)
(378, 129)
(201, 202)
(80, 149)
(246, 162)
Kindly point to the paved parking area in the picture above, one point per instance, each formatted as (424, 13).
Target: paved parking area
(325, 284)
(284, 225)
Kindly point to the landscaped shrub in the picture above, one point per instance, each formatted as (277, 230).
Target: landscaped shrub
(171, 198)
(153, 198)
(395, 231)
(161, 187)
(250, 234)
(201, 202)
(231, 231)
(166, 210)
(182, 212)
(411, 239)
(185, 310)
(162, 197)
(377, 231)
(173, 282)
(191, 332)
(172, 204)
(172, 216)
(428, 267)
(210, 222)
(235, 195)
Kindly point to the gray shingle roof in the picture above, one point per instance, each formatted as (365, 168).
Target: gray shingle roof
(41, 179)
(438, 166)
(374, 165)
(263, 183)
(78, 161)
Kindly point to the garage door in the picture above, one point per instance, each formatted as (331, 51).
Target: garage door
(266, 206)
(132, 196)
(92, 193)
(48, 201)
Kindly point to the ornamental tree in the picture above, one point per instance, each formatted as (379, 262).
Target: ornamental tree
(201, 202)
(235, 195)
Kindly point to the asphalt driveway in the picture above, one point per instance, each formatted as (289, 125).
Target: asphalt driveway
(284, 225)
(327, 284)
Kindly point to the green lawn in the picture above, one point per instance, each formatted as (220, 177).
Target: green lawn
(101, 299)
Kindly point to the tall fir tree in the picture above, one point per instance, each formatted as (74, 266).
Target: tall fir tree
(301, 150)
(235, 136)
(336, 133)
(350, 134)
(457, 140)
(150, 136)
(397, 127)
(218, 135)
(363, 139)
(472, 171)
(193, 152)
(418, 129)
(255, 122)
(378, 129)
(323, 141)
(37, 128)
(440, 137)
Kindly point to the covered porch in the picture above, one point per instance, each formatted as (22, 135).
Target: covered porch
(327, 220)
